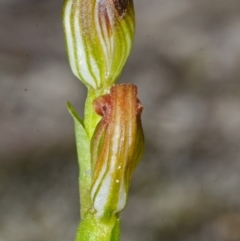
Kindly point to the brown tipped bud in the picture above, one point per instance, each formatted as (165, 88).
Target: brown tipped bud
(117, 146)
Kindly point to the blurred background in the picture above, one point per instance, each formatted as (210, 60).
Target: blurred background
(186, 63)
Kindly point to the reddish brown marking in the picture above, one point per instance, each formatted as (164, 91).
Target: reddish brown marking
(140, 106)
(121, 6)
(102, 10)
(102, 105)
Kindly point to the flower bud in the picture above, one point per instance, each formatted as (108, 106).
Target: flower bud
(99, 36)
(116, 148)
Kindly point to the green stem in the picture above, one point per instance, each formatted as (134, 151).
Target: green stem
(91, 118)
(83, 132)
(93, 229)
(90, 228)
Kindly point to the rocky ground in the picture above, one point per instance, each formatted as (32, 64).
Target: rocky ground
(186, 63)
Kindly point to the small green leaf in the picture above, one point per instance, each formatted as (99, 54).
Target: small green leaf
(74, 114)
(84, 160)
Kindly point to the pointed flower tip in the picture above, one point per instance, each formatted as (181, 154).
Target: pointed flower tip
(117, 146)
(99, 36)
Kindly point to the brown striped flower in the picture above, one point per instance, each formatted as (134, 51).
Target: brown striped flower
(116, 148)
(99, 36)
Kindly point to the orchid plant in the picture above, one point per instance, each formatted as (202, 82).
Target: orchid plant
(99, 36)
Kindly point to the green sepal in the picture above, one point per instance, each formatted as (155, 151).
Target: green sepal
(84, 160)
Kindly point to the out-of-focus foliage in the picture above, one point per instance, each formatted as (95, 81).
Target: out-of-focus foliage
(185, 62)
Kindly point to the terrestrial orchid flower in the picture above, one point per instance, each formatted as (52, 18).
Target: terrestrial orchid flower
(117, 147)
(99, 36)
